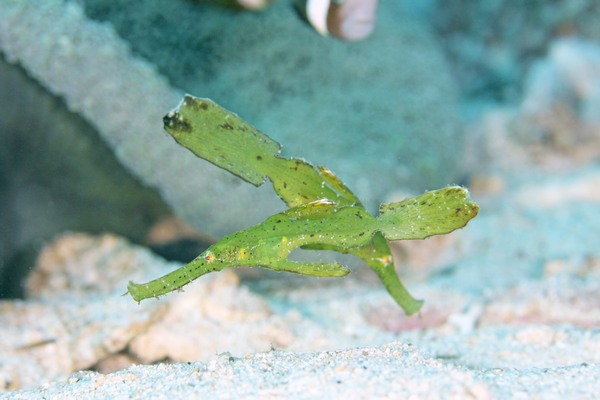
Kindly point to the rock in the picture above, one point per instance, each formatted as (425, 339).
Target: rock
(562, 98)
(43, 340)
(76, 316)
(83, 265)
(555, 126)
(220, 317)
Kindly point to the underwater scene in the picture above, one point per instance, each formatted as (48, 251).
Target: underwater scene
(299, 199)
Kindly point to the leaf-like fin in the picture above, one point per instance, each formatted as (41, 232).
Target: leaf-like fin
(433, 213)
(221, 137)
(224, 139)
(339, 186)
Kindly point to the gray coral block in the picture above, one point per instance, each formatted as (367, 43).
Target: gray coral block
(87, 64)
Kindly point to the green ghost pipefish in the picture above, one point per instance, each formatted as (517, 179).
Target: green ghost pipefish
(323, 213)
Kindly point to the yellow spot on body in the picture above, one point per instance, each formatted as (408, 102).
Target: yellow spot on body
(385, 260)
(243, 254)
(209, 257)
(327, 171)
(284, 249)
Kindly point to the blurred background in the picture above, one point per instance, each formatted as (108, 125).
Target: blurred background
(435, 93)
